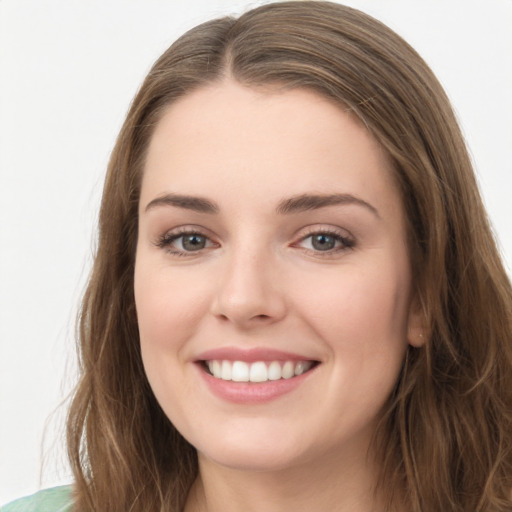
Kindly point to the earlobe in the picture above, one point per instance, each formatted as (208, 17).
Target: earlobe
(417, 341)
(417, 328)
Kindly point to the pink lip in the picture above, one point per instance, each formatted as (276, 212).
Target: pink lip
(249, 355)
(251, 392)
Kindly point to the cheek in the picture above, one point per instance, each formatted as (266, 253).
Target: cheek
(168, 313)
(361, 311)
(169, 306)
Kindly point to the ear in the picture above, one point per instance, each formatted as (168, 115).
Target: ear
(417, 324)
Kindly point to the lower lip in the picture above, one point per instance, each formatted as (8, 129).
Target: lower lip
(252, 392)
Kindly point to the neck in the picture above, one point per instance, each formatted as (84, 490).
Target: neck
(311, 487)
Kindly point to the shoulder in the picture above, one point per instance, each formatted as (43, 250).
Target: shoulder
(56, 499)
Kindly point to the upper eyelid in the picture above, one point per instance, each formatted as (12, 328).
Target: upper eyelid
(325, 229)
(186, 230)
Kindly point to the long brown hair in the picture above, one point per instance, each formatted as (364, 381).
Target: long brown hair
(445, 441)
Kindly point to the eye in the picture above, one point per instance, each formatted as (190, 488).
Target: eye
(192, 242)
(326, 242)
(184, 243)
(323, 242)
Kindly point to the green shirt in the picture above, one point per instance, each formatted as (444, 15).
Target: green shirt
(57, 499)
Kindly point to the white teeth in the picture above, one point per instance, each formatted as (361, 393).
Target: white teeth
(288, 370)
(259, 371)
(300, 368)
(216, 370)
(274, 371)
(240, 371)
(225, 371)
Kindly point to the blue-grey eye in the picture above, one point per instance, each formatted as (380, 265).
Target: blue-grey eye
(193, 242)
(323, 242)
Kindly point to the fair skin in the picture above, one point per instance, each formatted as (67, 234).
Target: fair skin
(271, 233)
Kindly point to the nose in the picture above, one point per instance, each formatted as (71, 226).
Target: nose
(248, 291)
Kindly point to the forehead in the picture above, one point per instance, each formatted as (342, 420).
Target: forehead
(230, 138)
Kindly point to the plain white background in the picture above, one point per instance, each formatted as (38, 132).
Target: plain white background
(68, 71)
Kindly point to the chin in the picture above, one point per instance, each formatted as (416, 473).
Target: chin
(258, 453)
(253, 460)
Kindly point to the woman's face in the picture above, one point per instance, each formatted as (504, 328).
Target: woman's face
(271, 243)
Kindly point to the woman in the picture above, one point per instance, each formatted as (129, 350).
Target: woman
(296, 300)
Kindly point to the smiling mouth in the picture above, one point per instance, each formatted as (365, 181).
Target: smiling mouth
(258, 371)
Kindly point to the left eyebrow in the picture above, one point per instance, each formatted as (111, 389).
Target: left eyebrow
(305, 202)
(198, 204)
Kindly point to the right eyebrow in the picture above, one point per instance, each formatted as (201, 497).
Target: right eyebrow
(305, 202)
(197, 204)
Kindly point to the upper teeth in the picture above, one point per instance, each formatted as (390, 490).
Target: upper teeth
(259, 371)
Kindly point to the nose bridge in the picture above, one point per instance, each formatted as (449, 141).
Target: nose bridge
(248, 288)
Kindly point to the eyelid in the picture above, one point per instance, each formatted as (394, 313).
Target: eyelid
(343, 236)
(165, 240)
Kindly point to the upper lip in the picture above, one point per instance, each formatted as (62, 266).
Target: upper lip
(250, 355)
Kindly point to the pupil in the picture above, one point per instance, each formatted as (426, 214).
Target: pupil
(323, 242)
(194, 242)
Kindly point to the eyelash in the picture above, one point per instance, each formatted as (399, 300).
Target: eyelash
(345, 243)
(167, 239)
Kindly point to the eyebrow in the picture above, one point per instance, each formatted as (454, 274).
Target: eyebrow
(197, 204)
(305, 202)
(295, 204)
